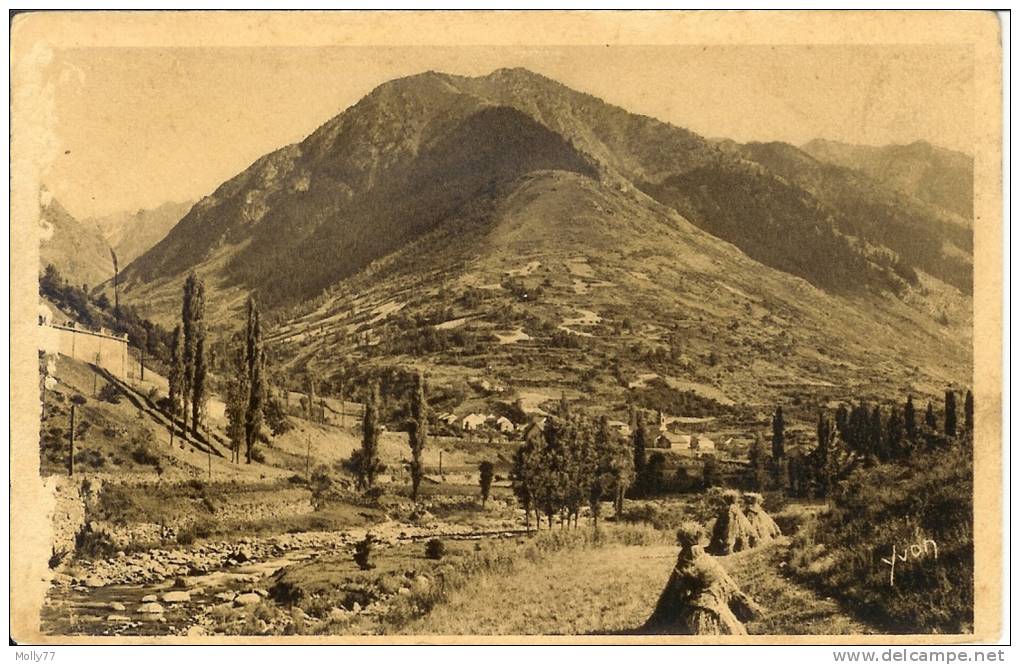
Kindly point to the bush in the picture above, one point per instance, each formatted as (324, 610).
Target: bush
(110, 393)
(143, 455)
(89, 544)
(929, 497)
(435, 549)
(363, 552)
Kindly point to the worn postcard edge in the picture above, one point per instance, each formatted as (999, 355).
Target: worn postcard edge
(34, 35)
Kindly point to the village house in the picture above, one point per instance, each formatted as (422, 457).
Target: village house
(504, 425)
(473, 421)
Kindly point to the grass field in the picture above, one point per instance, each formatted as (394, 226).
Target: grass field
(615, 594)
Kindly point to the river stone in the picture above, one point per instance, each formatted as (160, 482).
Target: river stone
(151, 598)
(227, 596)
(118, 618)
(248, 599)
(261, 592)
(94, 581)
(117, 607)
(151, 608)
(195, 631)
(176, 597)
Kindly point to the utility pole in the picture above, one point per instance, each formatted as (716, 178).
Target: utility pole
(440, 463)
(70, 464)
(308, 455)
(208, 453)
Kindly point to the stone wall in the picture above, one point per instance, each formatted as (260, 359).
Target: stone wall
(107, 351)
(68, 510)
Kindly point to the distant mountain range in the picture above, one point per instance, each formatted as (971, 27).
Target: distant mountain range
(78, 250)
(81, 249)
(131, 233)
(509, 222)
(938, 176)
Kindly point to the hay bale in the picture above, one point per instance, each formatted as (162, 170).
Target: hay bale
(700, 598)
(763, 527)
(732, 532)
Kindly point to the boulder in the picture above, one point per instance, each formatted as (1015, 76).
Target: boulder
(118, 618)
(94, 581)
(248, 599)
(227, 596)
(176, 597)
(151, 598)
(151, 608)
(117, 607)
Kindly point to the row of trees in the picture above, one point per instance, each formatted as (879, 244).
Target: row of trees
(188, 372)
(576, 461)
(860, 434)
(247, 389)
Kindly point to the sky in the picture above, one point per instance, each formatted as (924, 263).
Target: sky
(138, 127)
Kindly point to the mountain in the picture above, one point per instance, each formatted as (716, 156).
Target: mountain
(922, 236)
(76, 249)
(941, 177)
(131, 233)
(511, 227)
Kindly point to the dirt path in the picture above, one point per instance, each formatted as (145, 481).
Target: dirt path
(617, 591)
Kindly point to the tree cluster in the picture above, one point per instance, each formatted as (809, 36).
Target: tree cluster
(575, 462)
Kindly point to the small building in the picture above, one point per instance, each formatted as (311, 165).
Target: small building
(504, 425)
(620, 426)
(472, 421)
(447, 418)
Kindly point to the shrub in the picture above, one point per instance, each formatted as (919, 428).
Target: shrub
(144, 456)
(56, 556)
(89, 544)
(927, 497)
(363, 552)
(110, 393)
(435, 549)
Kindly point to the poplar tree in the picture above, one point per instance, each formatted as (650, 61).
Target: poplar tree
(188, 348)
(929, 418)
(255, 364)
(778, 442)
(485, 473)
(910, 421)
(894, 434)
(175, 376)
(639, 443)
(950, 415)
(968, 413)
(194, 351)
(418, 429)
(875, 442)
(365, 462)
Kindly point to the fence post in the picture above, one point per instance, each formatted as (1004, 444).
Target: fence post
(70, 467)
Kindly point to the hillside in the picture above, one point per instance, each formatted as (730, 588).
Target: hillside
(508, 227)
(921, 235)
(618, 290)
(944, 178)
(77, 249)
(132, 233)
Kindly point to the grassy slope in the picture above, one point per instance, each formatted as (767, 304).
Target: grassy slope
(930, 496)
(617, 592)
(652, 270)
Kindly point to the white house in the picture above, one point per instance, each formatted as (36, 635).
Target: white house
(472, 421)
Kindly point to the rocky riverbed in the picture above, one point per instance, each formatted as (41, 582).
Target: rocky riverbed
(172, 591)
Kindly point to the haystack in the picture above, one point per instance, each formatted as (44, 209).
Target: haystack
(763, 527)
(732, 532)
(700, 598)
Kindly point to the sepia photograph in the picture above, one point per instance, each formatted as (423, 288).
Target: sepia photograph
(611, 327)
